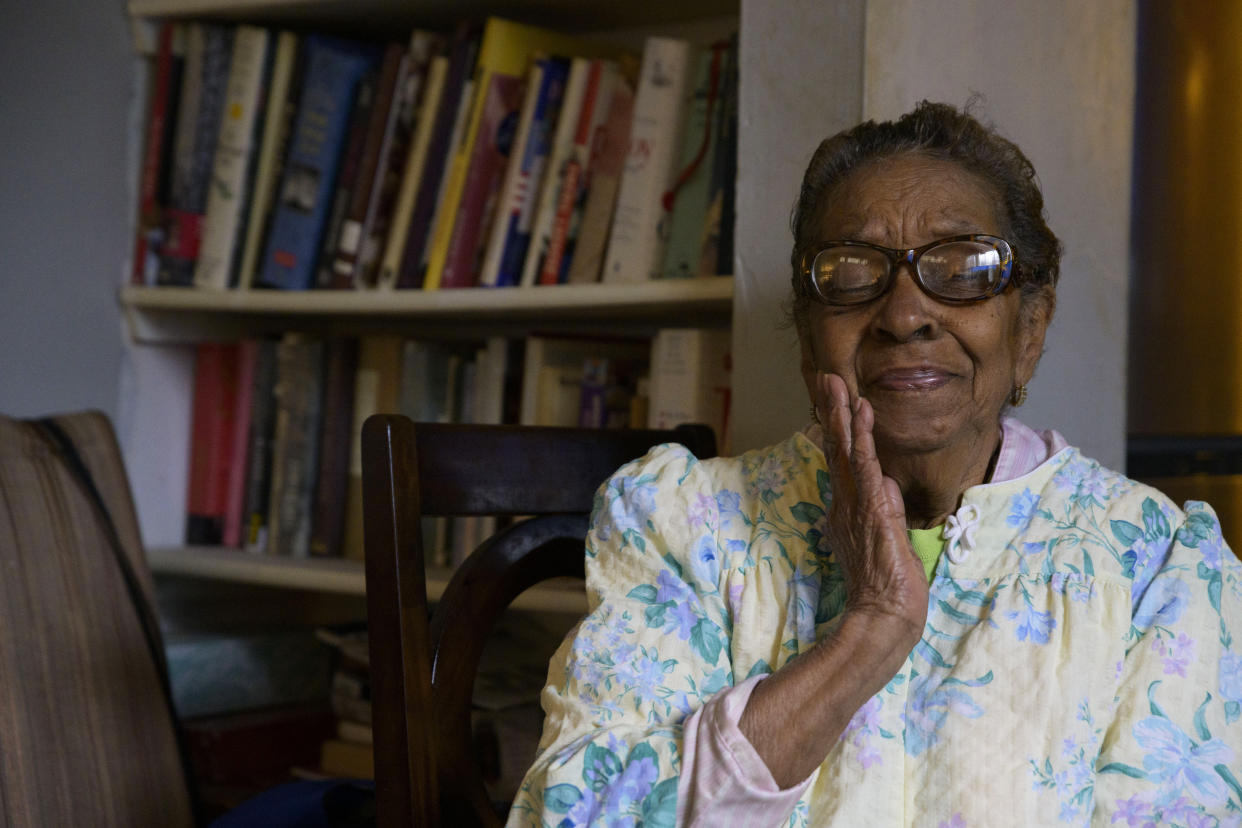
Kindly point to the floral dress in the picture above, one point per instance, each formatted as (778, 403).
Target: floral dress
(1081, 661)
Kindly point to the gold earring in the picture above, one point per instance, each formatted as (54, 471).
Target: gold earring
(1018, 396)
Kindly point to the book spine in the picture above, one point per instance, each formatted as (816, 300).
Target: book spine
(247, 355)
(574, 187)
(259, 448)
(335, 448)
(412, 173)
(508, 208)
(157, 153)
(394, 154)
(607, 162)
(492, 146)
(333, 70)
(554, 170)
(348, 243)
(690, 379)
(215, 393)
(636, 244)
(718, 260)
(691, 195)
(234, 148)
(448, 116)
(534, 162)
(282, 101)
(299, 385)
(208, 49)
(346, 179)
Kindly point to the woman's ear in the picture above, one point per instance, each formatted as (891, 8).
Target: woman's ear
(1035, 315)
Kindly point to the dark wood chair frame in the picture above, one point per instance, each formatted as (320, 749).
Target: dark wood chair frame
(423, 669)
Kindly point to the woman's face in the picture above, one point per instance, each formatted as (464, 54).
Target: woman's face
(936, 374)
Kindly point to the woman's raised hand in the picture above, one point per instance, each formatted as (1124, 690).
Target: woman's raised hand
(867, 519)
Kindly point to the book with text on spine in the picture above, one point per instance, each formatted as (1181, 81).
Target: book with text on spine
(639, 223)
(333, 69)
(233, 165)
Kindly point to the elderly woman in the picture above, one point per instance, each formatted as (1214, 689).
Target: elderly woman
(917, 611)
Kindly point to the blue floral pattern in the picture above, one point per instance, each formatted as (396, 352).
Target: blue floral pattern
(1080, 665)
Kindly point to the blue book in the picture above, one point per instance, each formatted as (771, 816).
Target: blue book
(334, 68)
(534, 157)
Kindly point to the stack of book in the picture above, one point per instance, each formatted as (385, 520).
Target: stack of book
(499, 155)
(275, 455)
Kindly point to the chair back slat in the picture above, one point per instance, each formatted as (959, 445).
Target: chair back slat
(423, 670)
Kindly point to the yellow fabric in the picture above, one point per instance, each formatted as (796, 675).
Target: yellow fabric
(928, 544)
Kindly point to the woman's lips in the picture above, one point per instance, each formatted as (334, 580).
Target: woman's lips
(910, 379)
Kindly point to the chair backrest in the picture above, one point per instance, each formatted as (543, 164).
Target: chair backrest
(87, 736)
(422, 671)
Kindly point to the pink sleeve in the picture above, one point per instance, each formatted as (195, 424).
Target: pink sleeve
(723, 780)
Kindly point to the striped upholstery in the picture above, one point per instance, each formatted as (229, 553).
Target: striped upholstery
(85, 736)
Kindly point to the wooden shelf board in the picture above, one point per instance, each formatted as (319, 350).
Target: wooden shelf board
(334, 575)
(168, 314)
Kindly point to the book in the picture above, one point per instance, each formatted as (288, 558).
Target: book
(377, 388)
(333, 69)
(336, 437)
(394, 152)
(510, 233)
(235, 493)
(450, 114)
(211, 444)
(440, 215)
(554, 170)
(200, 107)
(233, 163)
(607, 162)
(607, 390)
(347, 760)
(283, 92)
(260, 434)
(295, 444)
(690, 379)
(576, 179)
(492, 146)
(552, 373)
(636, 241)
(378, 129)
(504, 52)
(157, 152)
(717, 254)
(412, 172)
(346, 178)
(689, 196)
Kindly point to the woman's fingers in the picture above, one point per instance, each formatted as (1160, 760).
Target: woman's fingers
(836, 418)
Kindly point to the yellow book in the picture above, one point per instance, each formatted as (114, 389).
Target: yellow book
(504, 50)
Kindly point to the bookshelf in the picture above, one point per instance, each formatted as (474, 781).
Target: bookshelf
(169, 315)
(162, 323)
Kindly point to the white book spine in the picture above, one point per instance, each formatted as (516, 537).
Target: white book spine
(275, 124)
(636, 243)
(549, 189)
(689, 379)
(221, 222)
(511, 195)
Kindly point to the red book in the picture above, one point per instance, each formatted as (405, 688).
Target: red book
(483, 179)
(247, 357)
(155, 157)
(211, 446)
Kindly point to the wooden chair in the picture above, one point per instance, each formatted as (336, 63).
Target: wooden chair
(423, 672)
(87, 732)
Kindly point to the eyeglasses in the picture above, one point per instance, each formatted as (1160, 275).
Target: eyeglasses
(957, 269)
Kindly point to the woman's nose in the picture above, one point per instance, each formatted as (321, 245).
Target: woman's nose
(905, 312)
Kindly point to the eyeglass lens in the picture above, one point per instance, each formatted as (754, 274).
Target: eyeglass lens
(956, 270)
